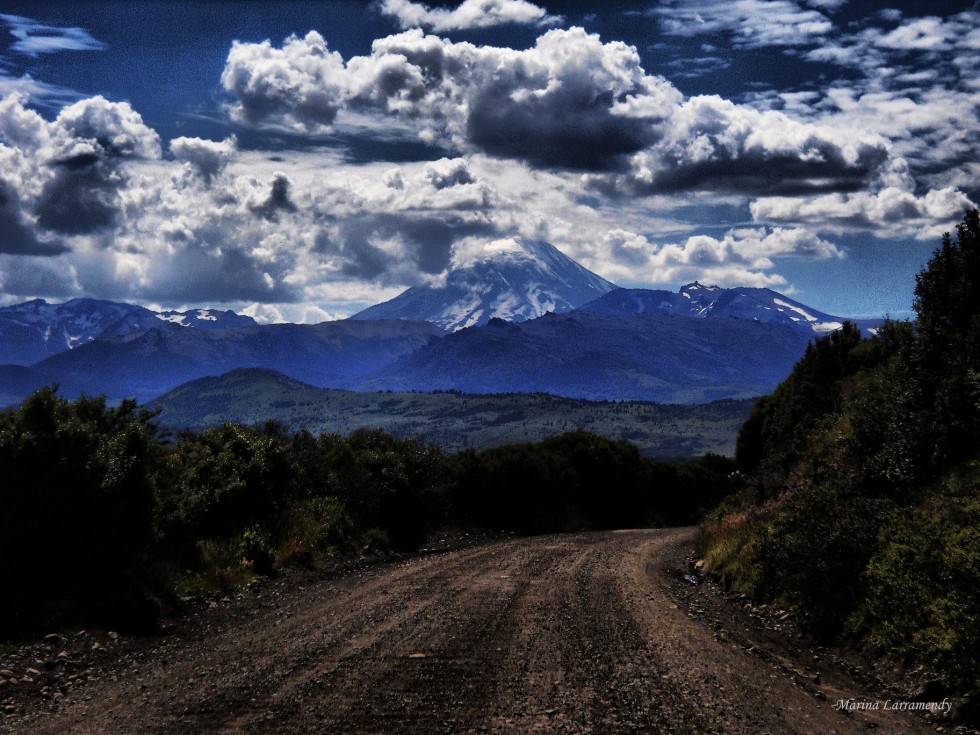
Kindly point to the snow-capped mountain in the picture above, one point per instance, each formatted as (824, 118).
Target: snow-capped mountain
(511, 279)
(695, 300)
(36, 329)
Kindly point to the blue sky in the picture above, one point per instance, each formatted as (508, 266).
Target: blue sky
(301, 160)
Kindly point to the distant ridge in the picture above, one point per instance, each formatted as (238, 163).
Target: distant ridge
(146, 364)
(36, 329)
(695, 300)
(513, 279)
(658, 357)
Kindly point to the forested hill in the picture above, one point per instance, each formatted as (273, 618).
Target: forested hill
(452, 420)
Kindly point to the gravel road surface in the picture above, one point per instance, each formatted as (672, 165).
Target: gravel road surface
(583, 633)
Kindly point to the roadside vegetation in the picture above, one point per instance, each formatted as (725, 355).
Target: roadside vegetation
(860, 481)
(107, 519)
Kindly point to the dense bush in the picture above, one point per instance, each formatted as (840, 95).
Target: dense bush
(76, 520)
(395, 485)
(219, 483)
(923, 598)
(862, 499)
(581, 481)
(777, 432)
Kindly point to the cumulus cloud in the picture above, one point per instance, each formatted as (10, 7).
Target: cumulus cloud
(469, 15)
(64, 177)
(206, 158)
(405, 231)
(714, 144)
(570, 100)
(35, 38)
(298, 86)
(742, 257)
(214, 225)
(448, 172)
(103, 128)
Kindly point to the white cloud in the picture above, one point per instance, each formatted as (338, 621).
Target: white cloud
(569, 101)
(920, 34)
(874, 49)
(38, 92)
(469, 15)
(206, 158)
(752, 23)
(35, 38)
(65, 177)
(934, 128)
(472, 250)
(714, 144)
(115, 128)
(290, 313)
(742, 257)
(890, 212)
(299, 85)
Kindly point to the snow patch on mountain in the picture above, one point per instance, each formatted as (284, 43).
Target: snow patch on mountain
(809, 317)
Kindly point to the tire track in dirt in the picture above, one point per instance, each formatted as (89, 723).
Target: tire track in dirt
(584, 633)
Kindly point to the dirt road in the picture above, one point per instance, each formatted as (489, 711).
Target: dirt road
(587, 633)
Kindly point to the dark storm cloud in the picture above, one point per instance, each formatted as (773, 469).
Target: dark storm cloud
(81, 198)
(278, 200)
(16, 236)
(570, 130)
(202, 274)
(400, 248)
(29, 277)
